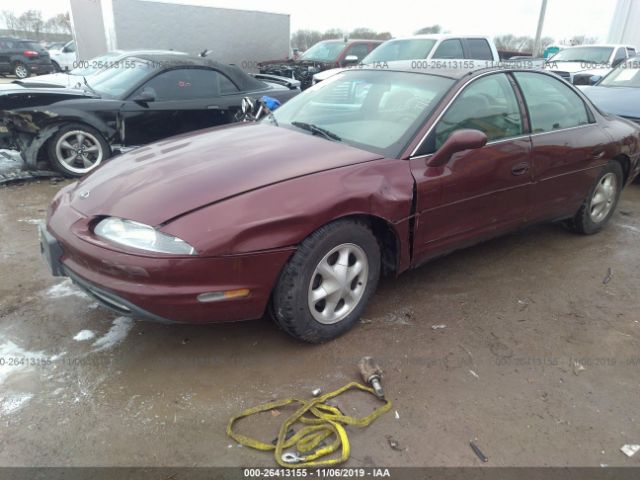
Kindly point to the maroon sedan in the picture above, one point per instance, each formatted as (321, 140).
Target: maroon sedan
(370, 172)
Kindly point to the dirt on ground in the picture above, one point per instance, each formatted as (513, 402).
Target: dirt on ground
(528, 344)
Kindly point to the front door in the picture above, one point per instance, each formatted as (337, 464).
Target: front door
(478, 193)
(183, 100)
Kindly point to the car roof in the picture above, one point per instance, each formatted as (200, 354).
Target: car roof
(440, 36)
(607, 45)
(167, 61)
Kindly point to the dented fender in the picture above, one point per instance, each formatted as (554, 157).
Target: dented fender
(284, 214)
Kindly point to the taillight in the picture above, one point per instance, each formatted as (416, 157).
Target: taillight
(30, 53)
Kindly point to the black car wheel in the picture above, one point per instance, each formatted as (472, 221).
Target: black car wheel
(601, 202)
(20, 70)
(77, 149)
(327, 283)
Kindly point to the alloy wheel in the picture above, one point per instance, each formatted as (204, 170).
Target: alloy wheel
(79, 151)
(21, 71)
(604, 197)
(338, 283)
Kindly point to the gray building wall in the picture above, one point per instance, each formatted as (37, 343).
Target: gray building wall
(625, 24)
(235, 36)
(88, 28)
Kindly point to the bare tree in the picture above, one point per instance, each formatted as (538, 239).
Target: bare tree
(431, 29)
(10, 21)
(31, 21)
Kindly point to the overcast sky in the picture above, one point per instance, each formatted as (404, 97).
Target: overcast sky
(565, 18)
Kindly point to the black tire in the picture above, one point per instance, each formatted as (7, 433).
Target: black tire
(290, 302)
(583, 221)
(56, 67)
(77, 166)
(20, 70)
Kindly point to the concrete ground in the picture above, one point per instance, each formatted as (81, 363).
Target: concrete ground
(528, 343)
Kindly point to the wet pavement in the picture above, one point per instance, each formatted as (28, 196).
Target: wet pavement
(528, 343)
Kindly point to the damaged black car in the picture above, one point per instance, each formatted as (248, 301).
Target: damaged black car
(134, 102)
(322, 56)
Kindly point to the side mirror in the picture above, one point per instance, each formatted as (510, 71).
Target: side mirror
(457, 142)
(246, 105)
(350, 60)
(594, 79)
(144, 97)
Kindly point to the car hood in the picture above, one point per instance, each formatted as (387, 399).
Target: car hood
(159, 182)
(623, 101)
(53, 79)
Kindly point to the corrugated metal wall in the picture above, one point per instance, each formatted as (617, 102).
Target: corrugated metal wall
(235, 36)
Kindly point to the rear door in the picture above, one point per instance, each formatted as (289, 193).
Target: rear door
(185, 99)
(478, 193)
(568, 147)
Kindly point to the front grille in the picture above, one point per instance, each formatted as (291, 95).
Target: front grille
(582, 79)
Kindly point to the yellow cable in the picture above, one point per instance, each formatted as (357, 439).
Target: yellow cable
(324, 421)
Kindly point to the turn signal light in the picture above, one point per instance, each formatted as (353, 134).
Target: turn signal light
(225, 295)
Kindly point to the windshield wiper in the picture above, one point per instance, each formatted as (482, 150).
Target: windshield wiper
(84, 79)
(316, 130)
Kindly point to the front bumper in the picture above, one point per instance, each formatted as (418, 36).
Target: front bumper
(156, 287)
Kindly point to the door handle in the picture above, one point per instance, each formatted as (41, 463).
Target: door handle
(520, 168)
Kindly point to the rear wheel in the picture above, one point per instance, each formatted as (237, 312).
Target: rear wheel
(601, 202)
(20, 70)
(326, 285)
(76, 149)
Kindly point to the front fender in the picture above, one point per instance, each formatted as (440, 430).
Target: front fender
(284, 214)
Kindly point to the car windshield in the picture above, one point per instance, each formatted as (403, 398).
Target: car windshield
(121, 77)
(583, 54)
(410, 49)
(95, 64)
(625, 75)
(378, 111)
(324, 51)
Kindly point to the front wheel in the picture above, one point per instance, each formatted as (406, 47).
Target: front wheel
(77, 149)
(601, 202)
(326, 285)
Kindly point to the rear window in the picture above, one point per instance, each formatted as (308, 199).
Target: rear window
(479, 49)
(29, 45)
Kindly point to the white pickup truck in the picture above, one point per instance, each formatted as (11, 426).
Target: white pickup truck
(431, 50)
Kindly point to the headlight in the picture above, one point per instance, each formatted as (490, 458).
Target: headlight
(141, 236)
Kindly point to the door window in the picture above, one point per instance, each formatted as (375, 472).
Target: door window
(621, 54)
(552, 104)
(451, 48)
(489, 105)
(360, 50)
(188, 84)
(479, 49)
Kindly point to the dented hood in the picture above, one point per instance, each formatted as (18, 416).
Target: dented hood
(161, 181)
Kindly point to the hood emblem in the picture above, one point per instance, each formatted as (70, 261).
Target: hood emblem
(84, 194)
